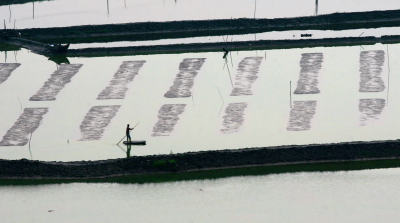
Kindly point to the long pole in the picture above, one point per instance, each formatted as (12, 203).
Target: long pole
(129, 131)
(290, 93)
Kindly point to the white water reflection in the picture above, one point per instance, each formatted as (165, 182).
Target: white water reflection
(343, 196)
(264, 122)
(84, 12)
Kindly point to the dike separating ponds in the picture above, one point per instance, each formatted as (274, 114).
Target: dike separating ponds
(201, 161)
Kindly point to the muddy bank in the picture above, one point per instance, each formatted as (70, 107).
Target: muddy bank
(195, 161)
(180, 29)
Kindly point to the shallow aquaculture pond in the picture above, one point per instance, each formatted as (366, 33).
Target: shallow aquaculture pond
(196, 101)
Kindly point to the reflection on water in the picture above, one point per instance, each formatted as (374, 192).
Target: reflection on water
(26, 124)
(56, 82)
(371, 63)
(167, 119)
(96, 120)
(184, 80)
(370, 109)
(301, 115)
(59, 59)
(310, 64)
(118, 85)
(247, 74)
(6, 69)
(234, 117)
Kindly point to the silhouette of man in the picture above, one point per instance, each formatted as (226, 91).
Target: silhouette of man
(128, 136)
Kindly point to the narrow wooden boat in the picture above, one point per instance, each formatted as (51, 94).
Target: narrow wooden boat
(137, 142)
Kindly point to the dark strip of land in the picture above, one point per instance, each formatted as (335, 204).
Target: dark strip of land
(14, 2)
(231, 46)
(198, 161)
(180, 29)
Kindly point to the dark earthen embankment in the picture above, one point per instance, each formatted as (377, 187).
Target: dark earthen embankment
(232, 46)
(194, 161)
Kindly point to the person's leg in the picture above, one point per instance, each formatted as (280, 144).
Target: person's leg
(128, 136)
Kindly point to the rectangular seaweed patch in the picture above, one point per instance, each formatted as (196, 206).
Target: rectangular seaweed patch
(96, 120)
(6, 69)
(119, 84)
(310, 64)
(370, 109)
(234, 117)
(56, 82)
(26, 124)
(184, 80)
(371, 63)
(168, 116)
(246, 75)
(301, 115)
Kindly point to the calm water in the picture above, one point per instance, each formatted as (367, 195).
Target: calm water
(196, 101)
(79, 12)
(344, 196)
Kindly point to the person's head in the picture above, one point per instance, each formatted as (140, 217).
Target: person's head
(128, 125)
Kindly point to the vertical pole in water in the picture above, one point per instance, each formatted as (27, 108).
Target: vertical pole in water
(125, 3)
(387, 97)
(30, 145)
(290, 93)
(316, 7)
(9, 7)
(33, 15)
(255, 7)
(108, 9)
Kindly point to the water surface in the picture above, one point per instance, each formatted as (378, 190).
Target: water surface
(343, 196)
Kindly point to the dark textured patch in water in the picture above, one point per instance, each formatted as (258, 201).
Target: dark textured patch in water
(184, 80)
(6, 69)
(310, 64)
(167, 119)
(300, 115)
(118, 85)
(56, 82)
(27, 123)
(96, 120)
(370, 109)
(247, 74)
(234, 117)
(371, 63)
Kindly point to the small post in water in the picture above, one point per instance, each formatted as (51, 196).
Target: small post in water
(290, 93)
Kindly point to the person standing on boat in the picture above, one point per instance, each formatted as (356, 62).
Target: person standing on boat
(128, 136)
